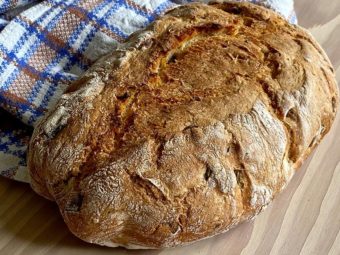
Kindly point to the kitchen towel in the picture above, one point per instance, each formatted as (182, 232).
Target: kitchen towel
(46, 45)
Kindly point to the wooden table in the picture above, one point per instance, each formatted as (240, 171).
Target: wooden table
(305, 219)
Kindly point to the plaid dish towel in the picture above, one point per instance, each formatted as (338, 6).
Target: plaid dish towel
(45, 45)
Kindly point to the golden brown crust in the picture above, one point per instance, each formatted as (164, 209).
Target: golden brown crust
(195, 125)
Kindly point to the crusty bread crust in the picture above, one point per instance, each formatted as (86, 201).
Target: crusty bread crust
(192, 127)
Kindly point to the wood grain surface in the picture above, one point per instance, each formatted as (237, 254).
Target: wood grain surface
(304, 219)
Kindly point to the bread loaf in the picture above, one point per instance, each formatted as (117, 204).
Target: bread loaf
(194, 125)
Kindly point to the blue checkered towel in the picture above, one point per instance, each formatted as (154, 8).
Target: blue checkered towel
(45, 45)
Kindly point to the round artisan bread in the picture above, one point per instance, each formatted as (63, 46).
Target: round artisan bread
(192, 127)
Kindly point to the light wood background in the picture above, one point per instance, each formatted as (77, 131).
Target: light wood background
(305, 219)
